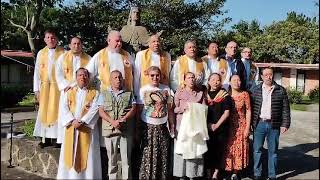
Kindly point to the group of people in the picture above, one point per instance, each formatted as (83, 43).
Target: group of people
(156, 121)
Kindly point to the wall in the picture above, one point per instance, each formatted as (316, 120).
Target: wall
(311, 80)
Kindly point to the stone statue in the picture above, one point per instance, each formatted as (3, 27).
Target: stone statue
(135, 36)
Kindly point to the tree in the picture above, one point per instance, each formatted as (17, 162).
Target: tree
(31, 19)
(294, 40)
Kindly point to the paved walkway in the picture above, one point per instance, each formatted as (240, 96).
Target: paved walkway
(17, 173)
(20, 116)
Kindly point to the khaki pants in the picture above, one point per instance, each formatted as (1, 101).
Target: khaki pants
(125, 144)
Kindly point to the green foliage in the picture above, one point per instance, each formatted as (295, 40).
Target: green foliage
(28, 100)
(314, 94)
(294, 40)
(298, 107)
(294, 96)
(11, 95)
(28, 127)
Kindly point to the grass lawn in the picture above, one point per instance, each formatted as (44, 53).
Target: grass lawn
(302, 106)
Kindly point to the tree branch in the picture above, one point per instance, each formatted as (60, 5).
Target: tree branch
(17, 25)
(27, 16)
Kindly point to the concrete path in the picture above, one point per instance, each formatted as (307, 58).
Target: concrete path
(20, 116)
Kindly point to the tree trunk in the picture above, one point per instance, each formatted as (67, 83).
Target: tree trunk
(31, 43)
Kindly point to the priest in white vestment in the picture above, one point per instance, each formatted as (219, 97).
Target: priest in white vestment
(189, 63)
(66, 67)
(109, 59)
(80, 151)
(46, 90)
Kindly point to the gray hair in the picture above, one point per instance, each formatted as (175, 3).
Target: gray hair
(113, 33)
(189, 41)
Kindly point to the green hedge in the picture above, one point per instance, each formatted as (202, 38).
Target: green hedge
(314, 94)
(294, 96)
(11, 95)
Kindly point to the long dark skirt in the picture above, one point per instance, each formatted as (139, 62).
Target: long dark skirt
(155, 144)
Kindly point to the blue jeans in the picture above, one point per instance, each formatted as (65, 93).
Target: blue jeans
(262, 131)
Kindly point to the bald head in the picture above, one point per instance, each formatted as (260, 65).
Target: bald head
(114, 41)
(231, 49)
(154, 43)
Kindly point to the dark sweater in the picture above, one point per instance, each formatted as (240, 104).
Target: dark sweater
(241, 71)
(280, 108)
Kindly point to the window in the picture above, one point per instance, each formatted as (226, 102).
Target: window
(300, 81)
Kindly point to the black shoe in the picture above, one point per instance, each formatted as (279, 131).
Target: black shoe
(57, 145)
(257, 178)
(42, 145)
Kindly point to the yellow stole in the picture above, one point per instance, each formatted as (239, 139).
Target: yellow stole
(84, 135)
(184, 68)
(146, 63)
(49, 92)
(253, 71)
(104, 70)
(223, 67)
(68, 64)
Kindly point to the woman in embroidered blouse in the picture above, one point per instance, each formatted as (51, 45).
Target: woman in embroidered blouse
(189, 93)
(237, 156)
(156, 104)
(219, 105)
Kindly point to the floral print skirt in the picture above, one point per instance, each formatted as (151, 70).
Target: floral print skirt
(155, 152)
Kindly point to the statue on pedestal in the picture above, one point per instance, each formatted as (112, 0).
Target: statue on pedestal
(135, 36)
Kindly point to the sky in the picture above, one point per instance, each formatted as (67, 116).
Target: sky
(267, 11)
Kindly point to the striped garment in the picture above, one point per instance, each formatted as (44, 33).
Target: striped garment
(280, 108)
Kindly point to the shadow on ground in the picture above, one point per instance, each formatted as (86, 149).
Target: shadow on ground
(292, 161)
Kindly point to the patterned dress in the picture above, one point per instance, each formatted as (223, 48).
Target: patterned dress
(155, 142)
(237, 156)
(186, 167)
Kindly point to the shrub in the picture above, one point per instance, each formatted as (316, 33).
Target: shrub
(314, 94)
(294, 96)
(28, 127)
(28, 100)
(11, 95)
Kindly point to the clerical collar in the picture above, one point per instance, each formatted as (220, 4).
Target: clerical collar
(52, 48)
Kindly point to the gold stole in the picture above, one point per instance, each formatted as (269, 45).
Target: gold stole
(68, 64)
(184, 68)
(253, 71)
(84, 135)
(104, 70)
(223, 69)
(49, 92)
(146, 63)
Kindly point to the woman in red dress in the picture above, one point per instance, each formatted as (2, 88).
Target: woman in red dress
(237, 152)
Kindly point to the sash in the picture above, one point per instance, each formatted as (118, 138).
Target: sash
(68, 64)
(104, 70)
(223, 67)
(49, 92)
(253, 71)
(146, 63)
(84, 135)
(184, 68)
(218, 98)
